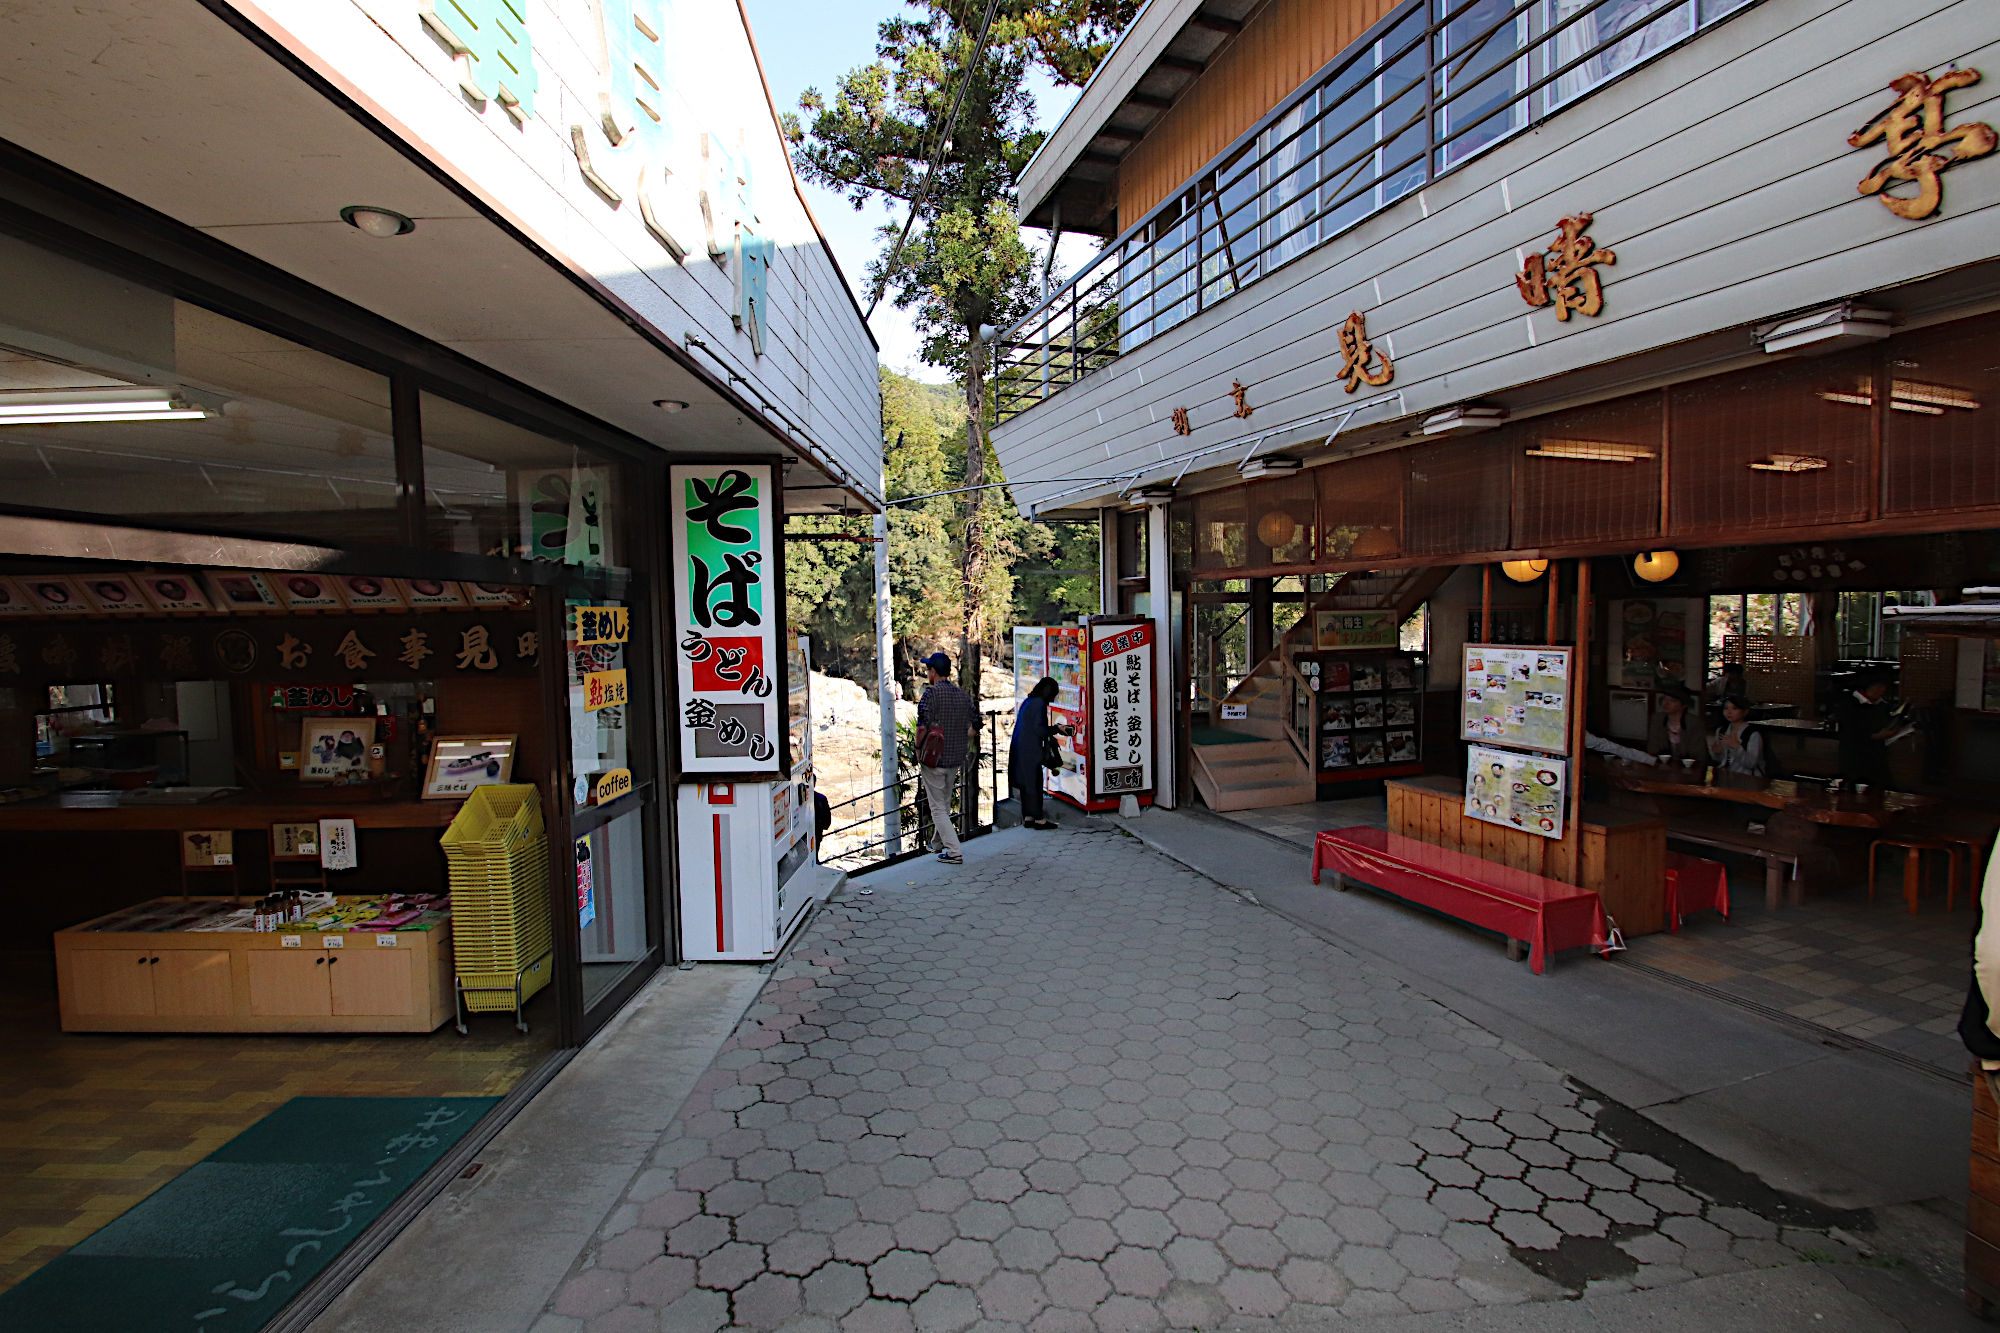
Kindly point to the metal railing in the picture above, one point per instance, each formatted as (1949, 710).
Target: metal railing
(892, 822)
(1432, 86)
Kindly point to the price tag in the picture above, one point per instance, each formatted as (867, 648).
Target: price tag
(291, 941)
(385, 941)
(333, 941)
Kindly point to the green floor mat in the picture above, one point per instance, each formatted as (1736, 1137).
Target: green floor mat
(1217, 736)
(224, 1245)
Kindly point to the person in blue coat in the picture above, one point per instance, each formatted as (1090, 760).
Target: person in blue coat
(1032, 729)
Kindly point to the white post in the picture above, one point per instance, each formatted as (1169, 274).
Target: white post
(1107, 561)
(885, 689)
(1160, 593)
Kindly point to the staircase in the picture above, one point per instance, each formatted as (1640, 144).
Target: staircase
(1255, 762)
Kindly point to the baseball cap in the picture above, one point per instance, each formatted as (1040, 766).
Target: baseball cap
(939, 663)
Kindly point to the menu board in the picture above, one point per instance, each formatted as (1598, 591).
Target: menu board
(1515, 790)
(1517, 696)
(1370, 709)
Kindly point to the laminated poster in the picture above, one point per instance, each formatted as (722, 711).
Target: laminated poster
(338, 849)
(1516, 696)
(1514, 790)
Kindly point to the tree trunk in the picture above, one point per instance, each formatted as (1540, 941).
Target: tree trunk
(972, 575)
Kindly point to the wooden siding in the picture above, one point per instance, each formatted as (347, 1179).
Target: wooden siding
(1286, 43)
(1720, 173)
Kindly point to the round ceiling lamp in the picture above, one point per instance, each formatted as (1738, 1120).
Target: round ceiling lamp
(1276, 529)
(381, 223)
(1656, 566)
(1524, 571)
(670, 405)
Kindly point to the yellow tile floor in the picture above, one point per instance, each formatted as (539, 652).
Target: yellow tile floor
(92, 1123)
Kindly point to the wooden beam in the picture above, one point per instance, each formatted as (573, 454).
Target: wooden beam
(1148, 99)
(1120, 133)
(1216, 23)
(1187, 63)
(1092, 155)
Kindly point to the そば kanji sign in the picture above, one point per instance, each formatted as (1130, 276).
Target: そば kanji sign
(1121, 708)
(727, 611)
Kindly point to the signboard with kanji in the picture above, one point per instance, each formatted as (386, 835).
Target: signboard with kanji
(1120, 724)
(728, 603)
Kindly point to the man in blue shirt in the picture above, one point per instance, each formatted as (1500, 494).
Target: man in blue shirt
(950, 712)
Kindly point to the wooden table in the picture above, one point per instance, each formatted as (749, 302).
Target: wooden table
(1807, 801)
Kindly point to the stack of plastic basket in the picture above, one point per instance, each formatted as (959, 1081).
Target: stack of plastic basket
(498, 854)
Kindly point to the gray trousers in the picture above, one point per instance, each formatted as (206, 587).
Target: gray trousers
(938, 785)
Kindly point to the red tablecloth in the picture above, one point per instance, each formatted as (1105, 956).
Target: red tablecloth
(1694, 884)
(1547, 913)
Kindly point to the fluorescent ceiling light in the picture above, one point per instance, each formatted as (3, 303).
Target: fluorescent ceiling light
(1590, 451)
(1790, 463)
(1465, 417)
(54, 407)
(1842, 324)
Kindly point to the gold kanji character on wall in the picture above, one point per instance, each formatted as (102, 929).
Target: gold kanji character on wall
(1920, 147)
(416, 647)
(1567, 279)
(1181, 426)
(1355, 353)
(354, 654)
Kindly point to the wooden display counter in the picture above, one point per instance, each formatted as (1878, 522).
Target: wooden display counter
(296, 980)
(1624, 854)
(102, 812)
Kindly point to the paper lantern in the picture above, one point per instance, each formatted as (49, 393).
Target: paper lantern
(1524, 571)
(1656, 566)
(1276, 529)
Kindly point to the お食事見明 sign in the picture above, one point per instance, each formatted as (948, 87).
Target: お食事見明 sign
(728, 601)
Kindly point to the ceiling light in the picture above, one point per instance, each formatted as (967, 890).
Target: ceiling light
(1146, 496)
(381, 223)
(1841, 324)
(1465, 417)
(51, 407)
(1790, 463)
(1656, 566)
(1524, 571)
(1270, 465)
(1592, 451)
(1929, 400)
(670, 405)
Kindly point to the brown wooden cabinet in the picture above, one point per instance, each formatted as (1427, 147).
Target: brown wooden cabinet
(238, 981)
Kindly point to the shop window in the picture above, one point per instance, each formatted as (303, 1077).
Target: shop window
(611, 902)
(123, 402)
(494, 488)
(1482, 69)
(1941, 434)
(1776, 447)
(1588, 475)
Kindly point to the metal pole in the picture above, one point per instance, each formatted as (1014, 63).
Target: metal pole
(885, 689)
(1160, 593)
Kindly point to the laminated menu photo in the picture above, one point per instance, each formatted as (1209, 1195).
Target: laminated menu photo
(1336, 675)
(1402, 747)
(1401, 674)
(1370, 748)
(1337, 715)
(1401, 710)
(1368, 674)
(1368, 711)
(1336, 751)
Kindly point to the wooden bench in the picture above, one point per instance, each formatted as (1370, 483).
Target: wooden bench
(1774, 858)
(1547, 913)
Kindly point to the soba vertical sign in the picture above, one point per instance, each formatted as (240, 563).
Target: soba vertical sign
(1121, 708)
(727, 605)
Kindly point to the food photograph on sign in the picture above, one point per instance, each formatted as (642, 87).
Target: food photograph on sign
(460, 763)
(1517, 696)
(726, 617)
(1515, 790)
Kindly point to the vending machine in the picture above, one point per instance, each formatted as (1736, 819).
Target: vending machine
(1104, 671)
(747, 868)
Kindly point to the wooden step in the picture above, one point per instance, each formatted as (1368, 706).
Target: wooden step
(1252, 775)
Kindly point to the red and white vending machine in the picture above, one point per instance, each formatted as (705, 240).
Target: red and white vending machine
(1106, 671)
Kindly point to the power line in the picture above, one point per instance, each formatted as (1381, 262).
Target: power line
(937, 157)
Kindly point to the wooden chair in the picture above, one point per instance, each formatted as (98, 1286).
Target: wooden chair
(1968, 850)
(1913, 852)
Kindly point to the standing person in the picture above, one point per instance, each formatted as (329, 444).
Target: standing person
(1735, 748)
(946, 719)
(1675, 730)
(1032, 730)
(1866, 723)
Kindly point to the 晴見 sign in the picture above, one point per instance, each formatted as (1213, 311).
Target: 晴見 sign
(1121, 708)
(727, 608)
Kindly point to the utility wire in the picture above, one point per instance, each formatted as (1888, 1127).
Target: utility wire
(937, 157)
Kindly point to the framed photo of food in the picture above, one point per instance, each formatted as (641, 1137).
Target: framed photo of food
(460, 763)
(335, 749)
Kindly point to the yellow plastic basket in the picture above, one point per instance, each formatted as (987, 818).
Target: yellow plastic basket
(497, 852)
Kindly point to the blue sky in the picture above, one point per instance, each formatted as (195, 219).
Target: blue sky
(810, 44)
